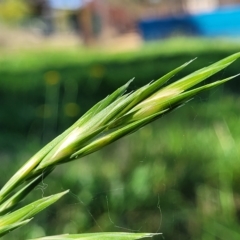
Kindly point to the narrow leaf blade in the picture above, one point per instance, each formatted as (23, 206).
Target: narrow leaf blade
(6, 229)
(29, 210)
(101, 236)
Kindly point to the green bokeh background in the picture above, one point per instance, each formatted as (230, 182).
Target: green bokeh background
(179, 176)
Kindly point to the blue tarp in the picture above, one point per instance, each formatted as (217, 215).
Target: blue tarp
(221, 22)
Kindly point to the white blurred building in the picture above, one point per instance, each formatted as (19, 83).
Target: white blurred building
(198, 6)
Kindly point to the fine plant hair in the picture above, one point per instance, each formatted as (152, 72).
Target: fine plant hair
(119, 114)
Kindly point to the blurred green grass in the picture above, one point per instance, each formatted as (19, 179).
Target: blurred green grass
(179, 175)
(41, 57)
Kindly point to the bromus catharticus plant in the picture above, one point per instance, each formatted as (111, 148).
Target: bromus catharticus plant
(117, 115)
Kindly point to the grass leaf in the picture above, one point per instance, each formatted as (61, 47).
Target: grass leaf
(29, 210)
(100, 236)
(6, 229)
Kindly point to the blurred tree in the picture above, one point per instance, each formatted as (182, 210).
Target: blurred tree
(38, 7)
(12, 11)
(40, 10)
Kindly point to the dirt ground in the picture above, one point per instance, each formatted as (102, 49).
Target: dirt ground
(17, 39)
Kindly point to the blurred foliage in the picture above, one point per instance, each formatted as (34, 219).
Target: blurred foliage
(11, 11)
(178, 176)
(52, 88)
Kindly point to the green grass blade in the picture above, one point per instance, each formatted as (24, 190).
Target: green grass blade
(29, 210)
(17, 197)
(147, 90)
(167, 99)
(6, 229)
(82, 133)
(110, 109)
(103, 115)
(22, 193)
(24, 172)
(198, 76)
(185, 96)
(100, 236)
(105, 102)
(64, 149)
(113, 135)
(133, 121)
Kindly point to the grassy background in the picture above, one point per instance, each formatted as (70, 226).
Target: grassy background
(179, 175)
